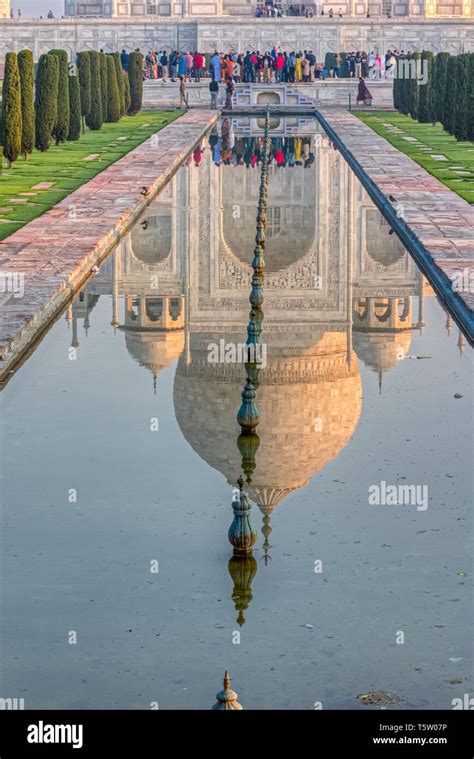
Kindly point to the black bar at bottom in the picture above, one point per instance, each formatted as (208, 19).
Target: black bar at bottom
(144, 734)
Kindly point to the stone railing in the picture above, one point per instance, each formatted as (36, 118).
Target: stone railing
(331, 92)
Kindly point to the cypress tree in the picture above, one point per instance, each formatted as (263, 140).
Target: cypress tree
(439, 86)
(424, 88)
(61, 127)
(46, 103)
(470, 100)
(11, 110)
(113, 98)
(414, 91)
(135, 75)
(432, 90)
(120, 82)
(103, 84)
(84, 74)
(404, 93)
(450, 95)
(128, 97)
(94, 117)
(27, 86)
(460, 123)
(75, 113)
(397, 83)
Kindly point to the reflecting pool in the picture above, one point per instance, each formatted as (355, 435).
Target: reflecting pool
(120, 450)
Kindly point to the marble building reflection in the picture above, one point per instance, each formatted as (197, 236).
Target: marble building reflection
(339, 290)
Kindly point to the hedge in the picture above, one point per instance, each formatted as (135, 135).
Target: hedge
(447, 96)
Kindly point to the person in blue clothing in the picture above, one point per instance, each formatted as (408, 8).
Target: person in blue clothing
(124, 59)
(182, 70)
(216, 66)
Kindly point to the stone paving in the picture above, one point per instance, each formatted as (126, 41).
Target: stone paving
(45, 261)
(441, 220)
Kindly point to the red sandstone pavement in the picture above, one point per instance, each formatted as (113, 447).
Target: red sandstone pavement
(56, 251)
(442, 221)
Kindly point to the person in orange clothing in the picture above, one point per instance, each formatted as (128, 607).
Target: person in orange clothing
(228, 71)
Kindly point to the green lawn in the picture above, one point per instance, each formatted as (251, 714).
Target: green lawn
(66, 167)
(456, 171)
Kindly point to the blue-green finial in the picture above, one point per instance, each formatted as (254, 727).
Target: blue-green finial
(248, 415)
(242, 534)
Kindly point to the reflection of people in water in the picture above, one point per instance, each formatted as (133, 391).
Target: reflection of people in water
(215, 144)
(248, 151)
(197, 154)
(229, 91)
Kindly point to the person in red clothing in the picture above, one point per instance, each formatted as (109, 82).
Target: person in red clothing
(198, 64)
(280, 62)
(197, 154)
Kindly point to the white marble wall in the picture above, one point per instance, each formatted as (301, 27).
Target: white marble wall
(207, 34)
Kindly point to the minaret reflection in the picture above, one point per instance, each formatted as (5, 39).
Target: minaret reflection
(242, 535)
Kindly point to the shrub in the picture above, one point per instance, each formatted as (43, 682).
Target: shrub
(75, 112)
(11, 110)
(135, 75)
(46, 102)
(27, 86)
(84, 73)
(461, 109)
(113, 98)
(413, 89)
(61, 127)
(128, 97)
(103, 84)
(404, 86)
(470, 100)
(450, 94)
(425, 115)
(94, 117)
(439, 86)
(120, 82)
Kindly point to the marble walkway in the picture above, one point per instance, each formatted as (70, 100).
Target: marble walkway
(45, 261)
(442, 221)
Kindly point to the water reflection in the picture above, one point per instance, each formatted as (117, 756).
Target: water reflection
(338, 287)
(342, 302)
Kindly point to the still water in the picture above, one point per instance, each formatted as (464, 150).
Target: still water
(119, 458)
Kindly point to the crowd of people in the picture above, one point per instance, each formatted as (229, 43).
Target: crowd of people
(359, 63)
(269, 10)
(272, 65)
